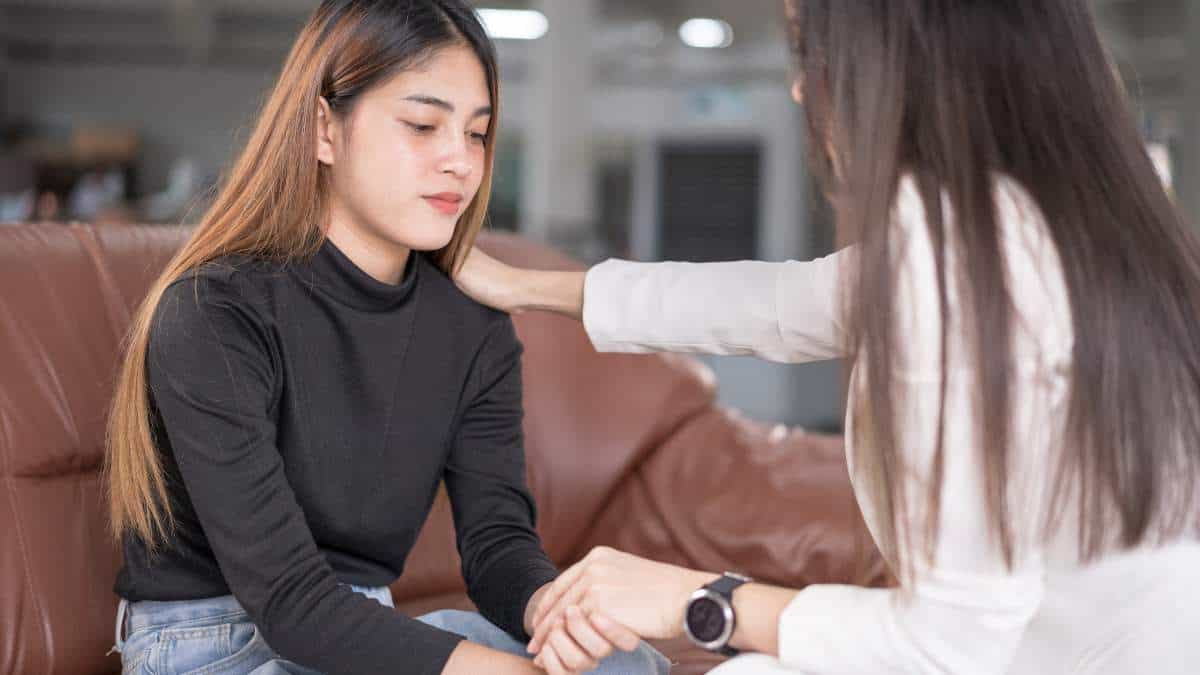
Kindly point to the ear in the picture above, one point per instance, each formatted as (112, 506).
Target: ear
(327, 132)
(798, 90)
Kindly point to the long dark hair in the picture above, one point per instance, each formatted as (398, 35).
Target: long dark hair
(274, 202)
(955, 93)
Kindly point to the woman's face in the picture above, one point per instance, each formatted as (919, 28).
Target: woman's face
(409, 157)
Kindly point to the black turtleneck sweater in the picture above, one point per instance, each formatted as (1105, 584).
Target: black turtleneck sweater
(305, 415)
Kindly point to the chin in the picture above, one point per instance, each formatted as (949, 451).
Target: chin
(428, 237)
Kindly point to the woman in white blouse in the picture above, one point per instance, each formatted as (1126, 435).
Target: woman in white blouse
(1020, 303)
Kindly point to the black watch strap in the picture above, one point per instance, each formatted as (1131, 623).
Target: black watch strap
(725, 586)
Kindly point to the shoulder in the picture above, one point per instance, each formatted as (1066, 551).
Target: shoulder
(233, 279)
(209, 333)
(1033, 279)
(484, 337)
(1021, 227)
(223, 296)
(460, 309)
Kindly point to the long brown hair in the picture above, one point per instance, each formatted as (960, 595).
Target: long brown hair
(274, 201)
(955, 93)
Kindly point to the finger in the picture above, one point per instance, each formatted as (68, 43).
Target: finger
(554, 617)
(551, 663)
(556, 589)
(586, 636)
(625, 639)
(560, 585)
(556, 613)
(569, 579)
(538, 640)
(542, 633)
(557, 616)
(571, 654)
(555, 622)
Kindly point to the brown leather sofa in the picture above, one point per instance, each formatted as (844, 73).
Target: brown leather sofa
(626, 451)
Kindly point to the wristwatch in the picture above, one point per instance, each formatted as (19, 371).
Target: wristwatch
(710, 619)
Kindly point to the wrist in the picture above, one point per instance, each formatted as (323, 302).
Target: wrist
(520, 289)
(559, 292)
(692, 581)
(531, 608)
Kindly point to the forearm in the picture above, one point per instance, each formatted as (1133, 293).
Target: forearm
(782, 312)
(509, 585)
(469, 658)
(758, 608)
(495, 519)
(559, 292)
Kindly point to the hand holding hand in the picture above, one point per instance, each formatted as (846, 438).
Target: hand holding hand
(579, 642)
(646, 597)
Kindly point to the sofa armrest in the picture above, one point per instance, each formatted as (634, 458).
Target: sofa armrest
(727, 493)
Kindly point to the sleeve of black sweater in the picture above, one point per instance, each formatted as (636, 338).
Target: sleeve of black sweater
(503, 561)
(213, 379)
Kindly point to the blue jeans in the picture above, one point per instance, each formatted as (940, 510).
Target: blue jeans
(215, 637)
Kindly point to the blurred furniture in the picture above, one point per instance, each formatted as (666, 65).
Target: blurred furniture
(85, 168)
(626, 451)
(183, 182)
(16, 187)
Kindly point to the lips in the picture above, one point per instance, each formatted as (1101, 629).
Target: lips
(447, 203)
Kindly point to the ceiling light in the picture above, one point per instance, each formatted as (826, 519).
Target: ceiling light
(514, 24)
(706, 33)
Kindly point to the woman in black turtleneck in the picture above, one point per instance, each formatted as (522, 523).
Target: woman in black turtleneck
(305, 374)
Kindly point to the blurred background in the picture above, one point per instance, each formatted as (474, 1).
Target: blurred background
(645, 129)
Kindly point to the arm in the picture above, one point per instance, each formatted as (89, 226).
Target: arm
(503, 561)
(779, 311)
(506, 568)
(469, 658)
(785, 312)
(212, 377)
(966, 613)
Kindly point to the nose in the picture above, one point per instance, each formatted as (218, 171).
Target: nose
(456, 159)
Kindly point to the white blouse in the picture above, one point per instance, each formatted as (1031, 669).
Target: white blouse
(1130, 612)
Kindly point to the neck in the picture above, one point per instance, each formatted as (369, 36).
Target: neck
(383, 260)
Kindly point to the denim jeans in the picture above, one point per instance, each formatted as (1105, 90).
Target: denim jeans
(215, 637)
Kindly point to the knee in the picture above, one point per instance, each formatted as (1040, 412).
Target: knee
(751, 664)
(475, 628)
(453, 620)
(645, 660)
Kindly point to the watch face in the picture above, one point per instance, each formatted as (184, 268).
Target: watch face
(705, 619)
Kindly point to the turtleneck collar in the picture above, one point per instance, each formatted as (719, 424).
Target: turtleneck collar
(334, 274)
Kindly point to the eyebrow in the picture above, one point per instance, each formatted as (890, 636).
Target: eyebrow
(436, 102)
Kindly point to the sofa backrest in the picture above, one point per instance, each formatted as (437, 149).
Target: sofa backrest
(66, 294)
(66, 297)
